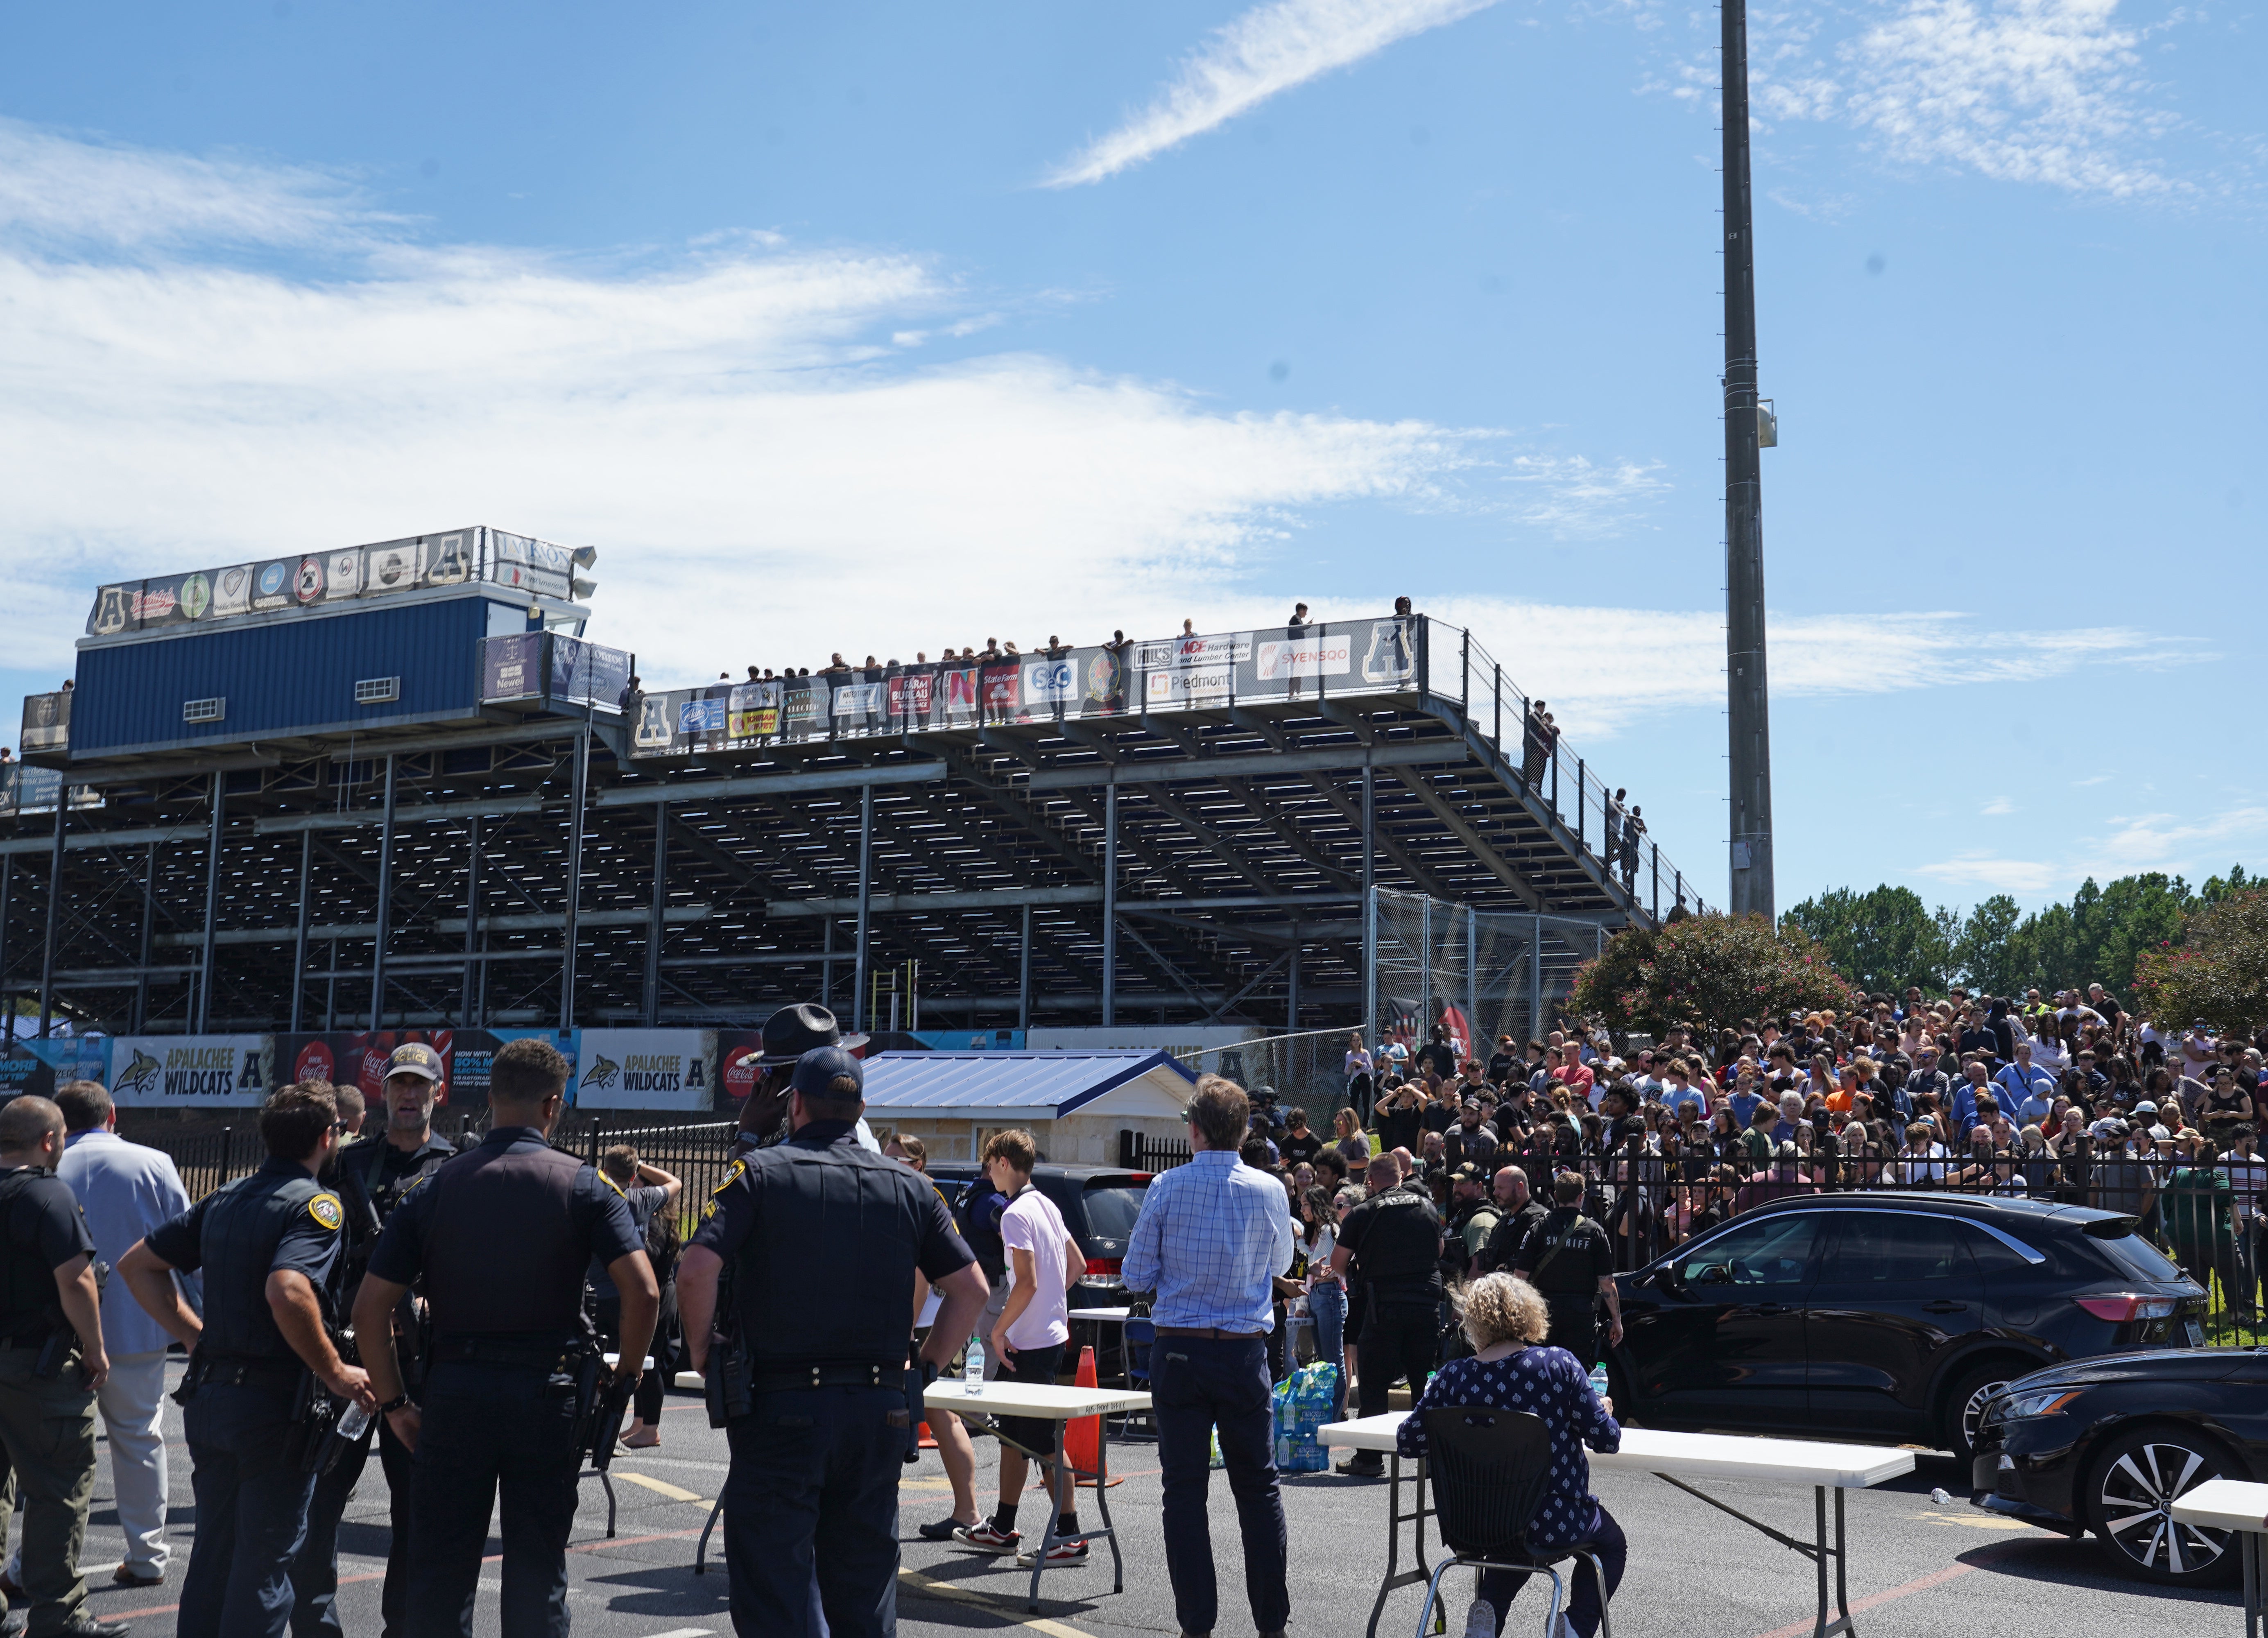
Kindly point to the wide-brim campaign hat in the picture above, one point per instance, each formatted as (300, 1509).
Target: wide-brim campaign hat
(794, 1031)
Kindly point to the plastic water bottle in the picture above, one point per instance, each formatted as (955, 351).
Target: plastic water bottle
(353, 1423)
(972, 1369)
(1599, 1380)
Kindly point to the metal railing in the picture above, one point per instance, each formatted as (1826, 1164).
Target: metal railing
(1452, 666)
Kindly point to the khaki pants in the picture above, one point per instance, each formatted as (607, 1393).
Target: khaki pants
(47, 1429)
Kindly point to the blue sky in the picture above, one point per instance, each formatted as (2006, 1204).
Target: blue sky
(876, 326)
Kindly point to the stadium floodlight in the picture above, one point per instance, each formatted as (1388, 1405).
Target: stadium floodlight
(586, 556)
(577, 590)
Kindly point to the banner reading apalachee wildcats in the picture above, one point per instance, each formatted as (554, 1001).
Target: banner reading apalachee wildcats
(645, 1069)
(189, 1071)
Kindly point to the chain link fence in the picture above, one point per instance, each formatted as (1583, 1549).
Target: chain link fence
(1479, 974)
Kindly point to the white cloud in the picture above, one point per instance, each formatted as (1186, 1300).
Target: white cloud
(2135, 843)
(1606, 668)
(1269, 50)
(1996, 807)
(749, 433)
(1576, 498)
(2024, 91)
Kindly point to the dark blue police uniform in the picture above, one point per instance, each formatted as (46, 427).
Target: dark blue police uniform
(372, 1175)
(823, 1237)
(502, 1236)
(252, 1494)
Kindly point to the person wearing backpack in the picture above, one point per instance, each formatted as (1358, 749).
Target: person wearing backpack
(1570, 1259)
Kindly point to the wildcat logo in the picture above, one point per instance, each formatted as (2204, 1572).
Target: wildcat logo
(602, 1072)
(141, 1077)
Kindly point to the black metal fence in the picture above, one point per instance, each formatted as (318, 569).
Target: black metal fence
(1139, 1153)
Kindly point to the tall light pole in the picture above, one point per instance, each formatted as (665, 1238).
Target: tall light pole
(1748, 713)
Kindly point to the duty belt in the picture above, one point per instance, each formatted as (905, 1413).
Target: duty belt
(474, 1349)
(246, 1370)
(890, 1376)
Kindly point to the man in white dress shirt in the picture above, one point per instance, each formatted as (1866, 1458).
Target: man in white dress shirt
(125, 1190)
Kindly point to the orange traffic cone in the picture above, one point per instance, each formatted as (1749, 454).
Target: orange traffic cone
(1083, 1437)
(928, 1440)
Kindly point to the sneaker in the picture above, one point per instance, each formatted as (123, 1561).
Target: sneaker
(940, 1529)
(984, 1538)
(1480, 1619)
(127, 1576)
(1062, 1553)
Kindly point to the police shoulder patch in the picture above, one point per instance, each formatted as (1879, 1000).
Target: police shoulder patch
(733, 1173)
(325, 1209)
(611, 1184)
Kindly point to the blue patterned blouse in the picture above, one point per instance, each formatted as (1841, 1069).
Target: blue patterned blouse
(1550, 1383)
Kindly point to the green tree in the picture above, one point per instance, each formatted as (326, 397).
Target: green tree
(2218, 970)
(1985, 949)
(1882, 941)
(1708, 971)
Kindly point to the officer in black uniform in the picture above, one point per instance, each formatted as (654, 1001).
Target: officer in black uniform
(502, 1236)
(269, 1245)
(51, 1365)
(1571, 1260)
(1393, 1240)
(1521, 1211)
(372, 1175)
(824, 1239)
(788, 1034)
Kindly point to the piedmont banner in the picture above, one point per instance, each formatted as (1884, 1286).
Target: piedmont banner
(645, 1069)
(189, 1071)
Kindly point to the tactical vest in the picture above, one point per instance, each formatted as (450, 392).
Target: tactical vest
(29, 1309)
(1563, 1271)
(824, 1275)
(502, 1254)
(243, 1224)
(1398, 1255)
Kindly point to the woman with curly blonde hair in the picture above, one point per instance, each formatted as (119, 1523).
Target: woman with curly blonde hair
(1505, 1318)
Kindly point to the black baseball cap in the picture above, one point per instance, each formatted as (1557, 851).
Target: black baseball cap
(818, 1070)
(414, 1058)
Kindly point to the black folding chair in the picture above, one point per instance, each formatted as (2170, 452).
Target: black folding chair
(1490, 1470)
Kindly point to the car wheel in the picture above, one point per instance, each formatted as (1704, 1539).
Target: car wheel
(1964, 1406)
(2130, 1490)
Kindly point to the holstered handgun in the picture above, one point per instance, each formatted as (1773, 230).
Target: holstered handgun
(314, 1413)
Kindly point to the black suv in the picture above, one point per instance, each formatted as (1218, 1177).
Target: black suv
(1885, 1317)
(1099, 1206)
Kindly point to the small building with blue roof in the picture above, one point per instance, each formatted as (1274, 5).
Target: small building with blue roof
(1074, 1104)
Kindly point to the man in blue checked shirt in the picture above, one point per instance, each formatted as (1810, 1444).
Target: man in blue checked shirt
(1211, 1238)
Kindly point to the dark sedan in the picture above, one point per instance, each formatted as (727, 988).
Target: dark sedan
(1885, 1317)
(2107, 1445)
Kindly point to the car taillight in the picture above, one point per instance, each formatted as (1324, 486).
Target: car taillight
(1105, 1266)
(2120, 1309)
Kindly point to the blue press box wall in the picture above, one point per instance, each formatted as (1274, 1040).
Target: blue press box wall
(289, 677)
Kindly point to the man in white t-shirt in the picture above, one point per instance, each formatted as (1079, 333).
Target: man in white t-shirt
(1029, 1338)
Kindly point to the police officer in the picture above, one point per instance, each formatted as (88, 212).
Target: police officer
(824, 1238)
(788, 1034)
(1571, 1260)
(1521, 1211)
(1393, 1240)
(502, 1236)
(51, 1365)
(269, 1245)
(372, 1175)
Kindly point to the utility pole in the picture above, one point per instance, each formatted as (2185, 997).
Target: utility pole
(1748, 710)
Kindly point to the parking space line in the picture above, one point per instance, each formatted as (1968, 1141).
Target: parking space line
(660, 1486)
(934, 1588)
(1981, 1559)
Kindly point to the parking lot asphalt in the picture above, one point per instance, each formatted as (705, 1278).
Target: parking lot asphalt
(1917, 1567)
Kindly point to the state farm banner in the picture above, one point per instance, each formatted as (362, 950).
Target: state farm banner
(189, 1071)
(997, 685)
(646, 1069)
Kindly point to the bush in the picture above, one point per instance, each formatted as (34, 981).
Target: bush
(1708, 971)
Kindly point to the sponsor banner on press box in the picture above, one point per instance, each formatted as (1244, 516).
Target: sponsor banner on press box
(189, 1071)
(646, 1069)
(1309, 656)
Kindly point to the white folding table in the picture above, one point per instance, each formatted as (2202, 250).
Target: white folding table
(1054, 1403)
(2233, 1505)
(1673, 1457)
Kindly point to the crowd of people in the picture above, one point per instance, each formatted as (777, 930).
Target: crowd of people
(2064, 1096)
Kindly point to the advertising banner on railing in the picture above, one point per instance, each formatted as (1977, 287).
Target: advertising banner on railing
(753, 712)
(189, 1071)
(358, 1058)
(646, 1069)
(511, 667)
(1194, 671)
(38, 1067)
